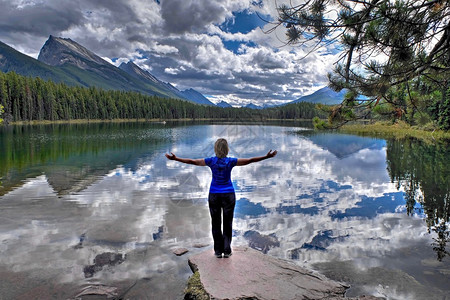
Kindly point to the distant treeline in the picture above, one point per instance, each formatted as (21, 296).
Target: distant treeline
(29, 99)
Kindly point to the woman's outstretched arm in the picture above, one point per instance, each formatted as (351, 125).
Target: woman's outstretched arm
(197, 162)
(246, 161)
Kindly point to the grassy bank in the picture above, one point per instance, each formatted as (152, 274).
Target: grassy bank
(398, 130)
(195, 289)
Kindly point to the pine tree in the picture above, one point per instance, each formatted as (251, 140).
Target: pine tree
(444, 116)
(414, 35)
(3, 95)
(28, 98)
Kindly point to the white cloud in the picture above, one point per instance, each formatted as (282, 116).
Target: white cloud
(178, 41)
(171, 71)
(164, 49)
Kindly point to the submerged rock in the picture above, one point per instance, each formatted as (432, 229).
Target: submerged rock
(200, 245)
(261, 242)
(180, 251)
(320, 242)
(249, 274)
(98, 290)
(104, 259)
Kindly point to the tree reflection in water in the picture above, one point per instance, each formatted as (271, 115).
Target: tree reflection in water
(423, 171)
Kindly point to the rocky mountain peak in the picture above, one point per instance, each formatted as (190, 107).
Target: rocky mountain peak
(59, 51)
(63, 60)
(134, 70)
(197, 97)
(223, 104)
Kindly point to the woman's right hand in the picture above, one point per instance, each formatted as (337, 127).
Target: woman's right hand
(171, 156)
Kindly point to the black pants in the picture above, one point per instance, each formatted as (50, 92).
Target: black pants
(217, 203)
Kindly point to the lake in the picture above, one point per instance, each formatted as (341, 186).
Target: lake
(89, 207)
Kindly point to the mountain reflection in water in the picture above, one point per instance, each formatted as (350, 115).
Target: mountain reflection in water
(370, 212)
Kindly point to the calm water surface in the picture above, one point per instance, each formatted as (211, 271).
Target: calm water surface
(98, 206)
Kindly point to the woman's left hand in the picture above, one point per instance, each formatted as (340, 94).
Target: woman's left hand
(271, 153)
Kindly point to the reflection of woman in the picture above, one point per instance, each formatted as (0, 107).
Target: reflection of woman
(221, 193)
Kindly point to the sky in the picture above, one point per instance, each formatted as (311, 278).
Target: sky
(217, 47)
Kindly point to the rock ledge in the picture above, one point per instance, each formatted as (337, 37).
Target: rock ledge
(249, 274)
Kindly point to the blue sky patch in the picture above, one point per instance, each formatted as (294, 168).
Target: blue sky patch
(243, 22)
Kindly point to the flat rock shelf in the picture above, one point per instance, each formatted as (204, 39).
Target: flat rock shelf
(250, 274)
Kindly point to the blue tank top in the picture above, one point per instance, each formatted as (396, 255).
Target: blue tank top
(221, 174)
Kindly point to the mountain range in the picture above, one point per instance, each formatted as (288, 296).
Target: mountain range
(223, 104)
(63, 60)
(324, 96)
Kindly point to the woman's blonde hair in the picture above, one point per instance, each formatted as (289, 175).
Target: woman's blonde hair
(221, 148)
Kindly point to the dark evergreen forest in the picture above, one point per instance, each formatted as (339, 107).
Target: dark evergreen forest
(33, 99)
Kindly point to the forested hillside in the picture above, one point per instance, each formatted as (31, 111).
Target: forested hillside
(29, 99)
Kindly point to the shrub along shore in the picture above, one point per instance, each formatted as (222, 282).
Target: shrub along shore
(398, 130)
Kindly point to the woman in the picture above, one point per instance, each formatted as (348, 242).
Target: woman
(221, 193)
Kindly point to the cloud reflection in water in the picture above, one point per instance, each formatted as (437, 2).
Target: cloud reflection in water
(318, 201)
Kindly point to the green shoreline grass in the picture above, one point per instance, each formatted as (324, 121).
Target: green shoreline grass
(194, 289)
(399, 130)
